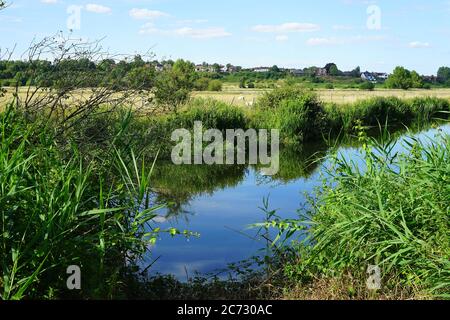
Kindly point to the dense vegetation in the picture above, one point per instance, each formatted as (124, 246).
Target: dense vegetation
(137, 72)
(62, 206)
(394, 213)
(74, 193)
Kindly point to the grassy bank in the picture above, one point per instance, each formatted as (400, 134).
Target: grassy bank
(63, 206)
(300, 116)
(393, 214)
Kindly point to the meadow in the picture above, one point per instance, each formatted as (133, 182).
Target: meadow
(232, 94)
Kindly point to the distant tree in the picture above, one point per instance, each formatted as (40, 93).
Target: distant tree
(216, 67)
(202, 84)
(275, 69)
(416, 80)
(332, 69)
(367, 85)
(400, 79)
(215, 85)
(443, 75)
(173, 86)
(242, 83)
(356, 73)
(141, 78)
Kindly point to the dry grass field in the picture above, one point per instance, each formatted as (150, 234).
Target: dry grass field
(247, 97)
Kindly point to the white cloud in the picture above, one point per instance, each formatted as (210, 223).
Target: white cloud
(140, 14)
(418, 45)
(282, 38)
(333, 41)
(97, 8)
(205, 33)
(49, 1)
(286, 27)
(339, 27)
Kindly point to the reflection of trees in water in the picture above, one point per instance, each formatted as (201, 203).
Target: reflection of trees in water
(178, 186)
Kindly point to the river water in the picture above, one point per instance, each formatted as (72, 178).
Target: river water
(220, 202)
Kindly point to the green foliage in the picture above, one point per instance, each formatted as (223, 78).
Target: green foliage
(389, 110)
(443, 75)
(404, 79)
(173, 87)
(298, 115)
(393, 214)
(215, 85)
(62, 207)
(202, 84)
(367, 85)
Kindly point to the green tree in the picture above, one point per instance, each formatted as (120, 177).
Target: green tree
(172, 87)
(400, 79)
(202, 84)
(332, 69)
(356, 73)
(416, 80)
(275, 69)
(242, 83)
(367, 85)
(443, 75)
(215, 85)
(141, 78)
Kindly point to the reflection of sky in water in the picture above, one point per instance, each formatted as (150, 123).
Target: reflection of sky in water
(222, 220)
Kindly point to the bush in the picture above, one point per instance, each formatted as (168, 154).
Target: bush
(55, 212)
(393, 214)
(202, 84)
(273, 99)
(215, 85)
(329, 86)
(298, 115)
(367, 86)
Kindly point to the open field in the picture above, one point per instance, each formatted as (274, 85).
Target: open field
(247, 97)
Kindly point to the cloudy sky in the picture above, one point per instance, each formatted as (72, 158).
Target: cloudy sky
(376, 35)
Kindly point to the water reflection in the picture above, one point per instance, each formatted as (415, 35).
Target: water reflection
(219, 202)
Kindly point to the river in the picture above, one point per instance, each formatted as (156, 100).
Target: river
(220, 202)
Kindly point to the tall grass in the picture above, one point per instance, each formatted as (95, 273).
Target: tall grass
(389, 110)
(58, 210)
(393, 213)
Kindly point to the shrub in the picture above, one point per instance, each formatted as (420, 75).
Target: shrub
(367, 86)
(202, 84)
(299, 116)
(273, 99)
(215, 85)
(60, 209)
(393, 214)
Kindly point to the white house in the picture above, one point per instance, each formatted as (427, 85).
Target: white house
(367, 76)
(261, 69)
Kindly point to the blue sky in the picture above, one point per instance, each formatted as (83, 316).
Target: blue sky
(376, 35)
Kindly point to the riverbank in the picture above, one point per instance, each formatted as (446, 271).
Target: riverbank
(84, 193)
